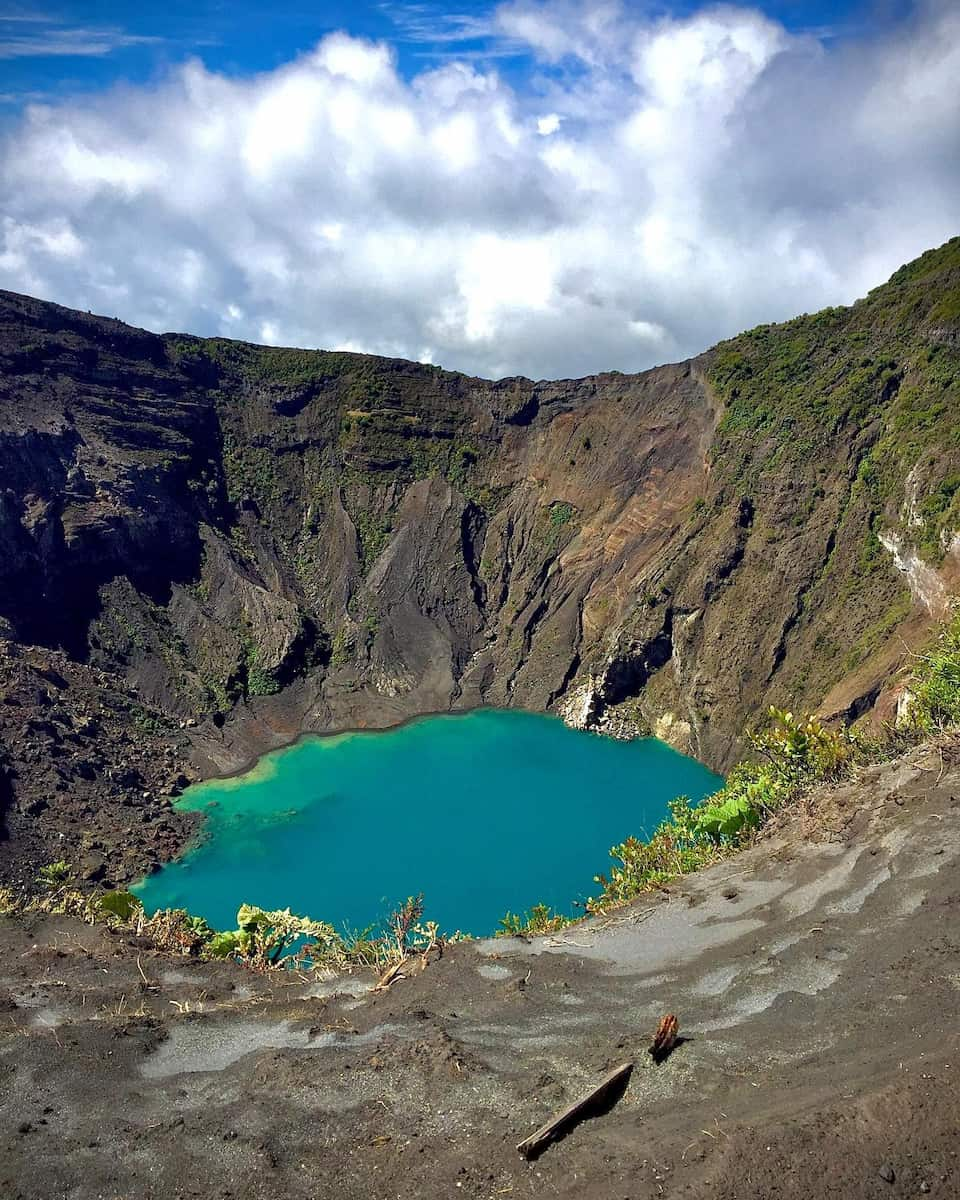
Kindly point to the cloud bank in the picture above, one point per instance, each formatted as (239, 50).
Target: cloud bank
(646, 188)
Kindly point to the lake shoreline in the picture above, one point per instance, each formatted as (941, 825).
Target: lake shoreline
(304, 734)
(520, 808)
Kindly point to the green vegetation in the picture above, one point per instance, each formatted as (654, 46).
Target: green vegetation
(879, 375)
(265, 937)
(259, 680)
(539, 919)
(251, 473)
(120, 904)
(788, 758)
(561, 513)
(343, 647)
(263, 940)
(221, 692)
(947, 308)
(939, 510)
(373, 533)
(55, 874)
(150, 722)
(877, 635)
(461, 460)
(555, 523)
(880, 380)
(292, 368)
(676, 848)
(935, 684)
(240, 542)
(371, 627)
(791, 754)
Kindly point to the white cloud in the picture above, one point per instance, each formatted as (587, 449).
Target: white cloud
(50, 38)
(656, 185)
(595, 33)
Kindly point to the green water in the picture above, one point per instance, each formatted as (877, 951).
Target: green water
(482, 812)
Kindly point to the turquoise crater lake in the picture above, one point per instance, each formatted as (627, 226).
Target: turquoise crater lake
(482, 812)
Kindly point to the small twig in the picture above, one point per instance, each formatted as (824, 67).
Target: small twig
(390, 975)
(151, 987)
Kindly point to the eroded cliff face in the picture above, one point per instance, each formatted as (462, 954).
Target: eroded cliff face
(326, 540)
(263, 541)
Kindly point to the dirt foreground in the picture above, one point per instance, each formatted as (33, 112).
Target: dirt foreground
(816, 984)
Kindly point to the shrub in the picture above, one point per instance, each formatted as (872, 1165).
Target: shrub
(373, 533)
(539, 919)
(173, 929)
(935, 685)
(343, 647)
(261, 682)
(555, 523)
(54, 875)
(802, 749)
(263, 940)
(262, 937)
(749, 791)
(792, 753)
(677, 846)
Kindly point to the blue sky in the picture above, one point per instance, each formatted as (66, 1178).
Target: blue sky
(543, 187)
(55, 49)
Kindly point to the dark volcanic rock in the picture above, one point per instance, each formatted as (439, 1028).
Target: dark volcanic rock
(76, 814)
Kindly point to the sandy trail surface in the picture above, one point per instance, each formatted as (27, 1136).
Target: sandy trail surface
(816, 982)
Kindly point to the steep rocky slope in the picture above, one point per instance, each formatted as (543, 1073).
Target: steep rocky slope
(259, 541)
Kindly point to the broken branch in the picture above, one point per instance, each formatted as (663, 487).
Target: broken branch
(608, 1089)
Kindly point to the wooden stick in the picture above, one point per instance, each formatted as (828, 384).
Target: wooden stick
(530, 1147)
